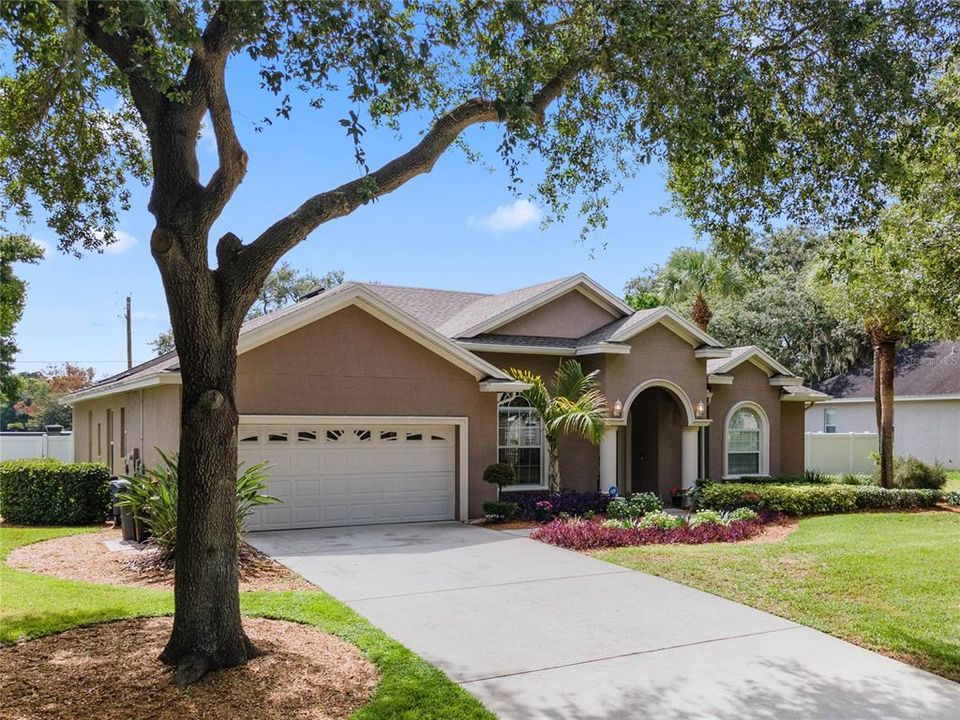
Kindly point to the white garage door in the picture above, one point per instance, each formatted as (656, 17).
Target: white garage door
(327, 475)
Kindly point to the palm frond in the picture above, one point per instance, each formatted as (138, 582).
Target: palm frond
(585, 416)
(571, 382)
(537, 394)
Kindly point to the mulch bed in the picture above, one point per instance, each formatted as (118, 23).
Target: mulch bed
(86, 558)
(111, 672)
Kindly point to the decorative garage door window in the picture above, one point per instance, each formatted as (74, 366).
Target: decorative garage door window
(743, 443)
(330, 474)
(520, 439)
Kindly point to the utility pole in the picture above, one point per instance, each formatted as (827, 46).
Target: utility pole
(129, 337)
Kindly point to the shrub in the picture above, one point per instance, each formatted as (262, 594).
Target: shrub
(741, 514)
(637, 505)
(953, 497)
(501, 510)
(152, 498)
(568, 501)
(812, 499)
(706, 517)
(500, 474)
(661, 521)
(619, 523)
(50, 492)
(911, 472)
(578, 534)
(809, 477)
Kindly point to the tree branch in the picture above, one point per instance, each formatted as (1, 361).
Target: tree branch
(206, 80)
(119, 49)
(252, 263)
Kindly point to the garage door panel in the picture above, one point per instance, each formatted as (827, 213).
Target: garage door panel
(328, 475)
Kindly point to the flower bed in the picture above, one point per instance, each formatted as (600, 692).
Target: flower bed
(579, 534)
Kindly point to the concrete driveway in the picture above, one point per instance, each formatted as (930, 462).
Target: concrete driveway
(534, 631)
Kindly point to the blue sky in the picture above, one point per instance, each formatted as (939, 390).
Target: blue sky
(440, 230)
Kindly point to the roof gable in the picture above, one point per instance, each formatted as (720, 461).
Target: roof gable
(624, 329)
(748, 353)
(494, 311)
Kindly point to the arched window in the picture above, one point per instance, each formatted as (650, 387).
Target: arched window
(746, 442)
(520, 439)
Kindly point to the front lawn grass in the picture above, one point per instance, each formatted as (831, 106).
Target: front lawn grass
(32, 605)
(887, 581)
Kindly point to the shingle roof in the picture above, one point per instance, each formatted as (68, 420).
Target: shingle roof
(524, 340)
(924, 369)
(431, 307)
(492, 305)
(800, 391)
(714, 364)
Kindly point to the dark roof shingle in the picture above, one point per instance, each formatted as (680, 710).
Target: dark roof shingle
(924, 369)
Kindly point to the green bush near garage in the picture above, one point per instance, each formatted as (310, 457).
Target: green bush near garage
(50, 492)
(799, 500)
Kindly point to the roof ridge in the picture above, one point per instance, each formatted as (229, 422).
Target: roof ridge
(375, 285)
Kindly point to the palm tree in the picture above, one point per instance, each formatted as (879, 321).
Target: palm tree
(696, 273)
(572, 404)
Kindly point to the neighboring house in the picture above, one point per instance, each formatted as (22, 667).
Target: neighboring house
(375, 403)
(926, 403)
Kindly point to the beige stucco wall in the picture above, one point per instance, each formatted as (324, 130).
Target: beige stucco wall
(571, 315)
(655, 353)
(749, 383)
(350, 363)
(791, 438)
(161, 426)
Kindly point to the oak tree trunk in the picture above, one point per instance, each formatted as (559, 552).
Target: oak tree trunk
(701, 312)
(207, 631)
(885, 354)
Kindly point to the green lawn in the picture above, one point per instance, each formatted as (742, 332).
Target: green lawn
(32, 605)
(953, 480)
(886, 581)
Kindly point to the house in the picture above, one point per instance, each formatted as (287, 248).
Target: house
(926, 403)
(375, 403)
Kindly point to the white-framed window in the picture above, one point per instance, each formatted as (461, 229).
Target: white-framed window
(520, 440)
(829, 420)
(747, 441)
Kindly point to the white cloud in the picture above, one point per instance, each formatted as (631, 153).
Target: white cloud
(124, 241)
(507, 218)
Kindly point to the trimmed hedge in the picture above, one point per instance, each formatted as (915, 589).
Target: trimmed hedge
(50, 492)
(808, 478)
(812, 499)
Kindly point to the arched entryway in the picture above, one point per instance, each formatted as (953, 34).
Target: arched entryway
(655, 442)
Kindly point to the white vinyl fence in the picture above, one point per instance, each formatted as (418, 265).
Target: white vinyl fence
(16, 445)
(840, 452)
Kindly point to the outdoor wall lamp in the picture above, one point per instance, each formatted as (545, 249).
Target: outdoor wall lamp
(618, 408)
(701, 411)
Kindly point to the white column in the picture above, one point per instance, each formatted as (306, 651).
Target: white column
(608, 459)
(689, 455)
